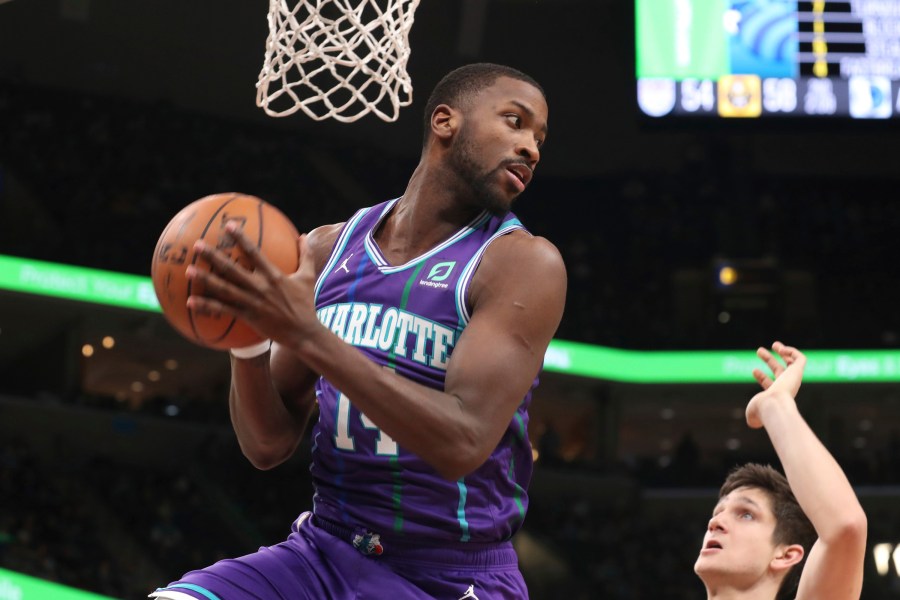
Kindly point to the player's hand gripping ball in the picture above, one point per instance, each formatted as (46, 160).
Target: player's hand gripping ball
(263, 224)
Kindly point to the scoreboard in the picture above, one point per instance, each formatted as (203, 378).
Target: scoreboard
(750, 59)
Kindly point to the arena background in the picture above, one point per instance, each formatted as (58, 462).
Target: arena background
(118, 472)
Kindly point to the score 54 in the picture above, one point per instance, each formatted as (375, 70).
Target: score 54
(698, 95)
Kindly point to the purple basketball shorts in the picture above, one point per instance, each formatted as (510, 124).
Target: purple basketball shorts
(319, 560)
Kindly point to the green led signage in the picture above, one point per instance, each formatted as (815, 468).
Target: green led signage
(725, 366)
(15, 586)
(77, 283)
(571, 358)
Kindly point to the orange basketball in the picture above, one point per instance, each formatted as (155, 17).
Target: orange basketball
(205, 219)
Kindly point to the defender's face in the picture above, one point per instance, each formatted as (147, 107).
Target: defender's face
(738, 544)
(498, 144)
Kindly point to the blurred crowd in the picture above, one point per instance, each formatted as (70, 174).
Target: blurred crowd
(643, 251)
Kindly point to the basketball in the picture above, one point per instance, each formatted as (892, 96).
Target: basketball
(205, 219)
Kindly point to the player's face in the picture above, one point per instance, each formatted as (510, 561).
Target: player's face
(738, 546)
(498, 144)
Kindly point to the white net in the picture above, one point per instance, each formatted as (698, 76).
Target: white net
(337, 59)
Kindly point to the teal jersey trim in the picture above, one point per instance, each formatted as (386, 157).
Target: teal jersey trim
(195, 588)
(461, 510)
(383, 265)
(462, 284)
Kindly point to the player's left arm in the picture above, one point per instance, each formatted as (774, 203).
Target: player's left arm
(517, 299)
(834, 568)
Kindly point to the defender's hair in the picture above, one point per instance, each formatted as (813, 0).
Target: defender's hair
(459, 85)
(792, 526)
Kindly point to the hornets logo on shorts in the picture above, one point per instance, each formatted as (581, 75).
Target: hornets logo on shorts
(367, 542)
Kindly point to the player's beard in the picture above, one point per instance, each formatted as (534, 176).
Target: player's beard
(486, 193)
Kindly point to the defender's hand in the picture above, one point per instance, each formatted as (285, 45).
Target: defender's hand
(784, 383)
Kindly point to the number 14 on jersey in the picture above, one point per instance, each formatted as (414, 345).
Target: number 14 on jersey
(384, 446)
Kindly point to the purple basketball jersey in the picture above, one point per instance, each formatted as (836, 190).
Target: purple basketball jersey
(408, 318)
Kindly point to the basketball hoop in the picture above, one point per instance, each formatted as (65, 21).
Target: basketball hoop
(337, 59)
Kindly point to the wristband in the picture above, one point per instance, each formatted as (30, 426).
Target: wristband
(252, 351)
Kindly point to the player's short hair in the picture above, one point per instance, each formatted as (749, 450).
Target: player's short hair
(792, 526)
(461, 84)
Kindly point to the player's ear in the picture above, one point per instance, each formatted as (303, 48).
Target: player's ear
(787, 556)
(445, 121)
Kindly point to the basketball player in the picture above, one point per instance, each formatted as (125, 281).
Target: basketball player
(765, 526)
(419, 326)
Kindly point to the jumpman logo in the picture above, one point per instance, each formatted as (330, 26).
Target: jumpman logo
(344, 264)
(470, 593)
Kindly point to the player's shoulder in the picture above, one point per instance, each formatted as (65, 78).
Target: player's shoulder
(324, 235)
(523, 262)
(320, 241)
(526, 251)
(520, 268)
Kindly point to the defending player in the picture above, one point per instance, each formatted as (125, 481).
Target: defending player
(423, 323)
(765, 526)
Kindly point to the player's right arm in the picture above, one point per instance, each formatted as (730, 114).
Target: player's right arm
(834, 568)
(272, 396)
